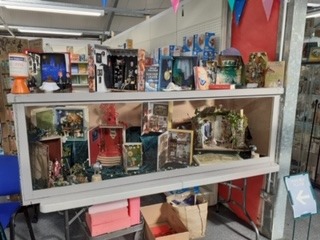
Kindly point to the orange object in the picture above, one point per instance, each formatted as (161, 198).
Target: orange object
(20, 86)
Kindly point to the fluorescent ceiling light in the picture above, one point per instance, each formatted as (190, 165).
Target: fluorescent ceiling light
(49, 31)
(313, 14)
(313, 4)
(53, 9)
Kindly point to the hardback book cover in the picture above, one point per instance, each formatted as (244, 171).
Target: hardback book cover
(132, 156)
(151, 78)
(175, 149)
(222, 86)
(275, 74)
(201, 79)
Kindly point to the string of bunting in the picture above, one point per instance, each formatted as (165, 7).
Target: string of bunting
(236, 6)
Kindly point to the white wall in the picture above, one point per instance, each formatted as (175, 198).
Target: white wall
(169, 28)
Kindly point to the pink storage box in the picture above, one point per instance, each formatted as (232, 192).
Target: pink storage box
(134, 210)
(108, 206)
(108, 216)
(115, 225)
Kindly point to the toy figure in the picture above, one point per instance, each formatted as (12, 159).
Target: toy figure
(56, 168)
(31, 83)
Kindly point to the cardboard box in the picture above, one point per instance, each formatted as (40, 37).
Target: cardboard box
(210, 192)
(164, 222)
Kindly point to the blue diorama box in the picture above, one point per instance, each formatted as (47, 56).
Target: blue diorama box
(178, 70)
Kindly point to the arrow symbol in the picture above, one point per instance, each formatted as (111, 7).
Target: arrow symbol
(301, 197)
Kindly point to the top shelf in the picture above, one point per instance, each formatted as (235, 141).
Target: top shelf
(134, 96)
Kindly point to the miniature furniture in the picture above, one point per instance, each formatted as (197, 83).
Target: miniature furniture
(10, 185)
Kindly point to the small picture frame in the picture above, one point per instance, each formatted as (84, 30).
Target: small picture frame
(175, 149)
(314, 55)
(132, 156)
(72, 122)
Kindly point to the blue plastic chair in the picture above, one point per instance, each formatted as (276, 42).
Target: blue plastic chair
(10, 185)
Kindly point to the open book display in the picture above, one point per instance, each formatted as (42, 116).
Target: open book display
(219, 129)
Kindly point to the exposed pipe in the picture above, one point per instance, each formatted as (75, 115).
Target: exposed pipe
(6, 27)
(283, 28)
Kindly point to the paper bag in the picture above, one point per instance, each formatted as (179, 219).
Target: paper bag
(193, 217)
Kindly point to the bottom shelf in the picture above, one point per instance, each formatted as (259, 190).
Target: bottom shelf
(137, 186)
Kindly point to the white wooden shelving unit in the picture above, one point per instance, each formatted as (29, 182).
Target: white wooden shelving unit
(74, 196)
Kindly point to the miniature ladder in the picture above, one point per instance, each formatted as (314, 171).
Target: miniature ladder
(243, 206)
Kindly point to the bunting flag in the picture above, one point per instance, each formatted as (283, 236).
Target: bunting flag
(104, 3)
(238, 8)
(231, 4)
(175, 5)
(267, 5)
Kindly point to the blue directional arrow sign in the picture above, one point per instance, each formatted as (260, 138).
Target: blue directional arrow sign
(301, 195)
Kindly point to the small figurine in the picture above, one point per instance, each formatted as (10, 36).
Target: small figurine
(49, 85)
(31, 83)
(96, 169)
(56, 168)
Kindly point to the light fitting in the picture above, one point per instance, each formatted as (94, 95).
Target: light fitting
(313, 5)
(313, 14)
(63, 9)
(49, 31)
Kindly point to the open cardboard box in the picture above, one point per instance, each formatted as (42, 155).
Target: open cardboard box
(162, 223)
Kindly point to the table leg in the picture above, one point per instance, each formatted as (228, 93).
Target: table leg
(66, 225)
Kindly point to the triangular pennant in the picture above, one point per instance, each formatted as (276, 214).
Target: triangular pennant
(231, 4)
(238, 8)
(175, 5)
(267, 5)
(104, 3)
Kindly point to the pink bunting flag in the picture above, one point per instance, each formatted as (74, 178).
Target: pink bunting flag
(231, 4)
(267, 5)
(175, 5)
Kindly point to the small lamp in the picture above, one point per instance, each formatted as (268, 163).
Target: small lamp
(18, 68)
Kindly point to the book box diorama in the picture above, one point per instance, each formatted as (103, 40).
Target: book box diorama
(68, 146)
(58, 135)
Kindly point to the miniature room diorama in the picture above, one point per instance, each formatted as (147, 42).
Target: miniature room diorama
(49, 72)
(76, 147)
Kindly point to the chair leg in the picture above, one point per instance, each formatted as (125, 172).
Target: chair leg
(35, 213)
(12, 228)
(26, 215)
